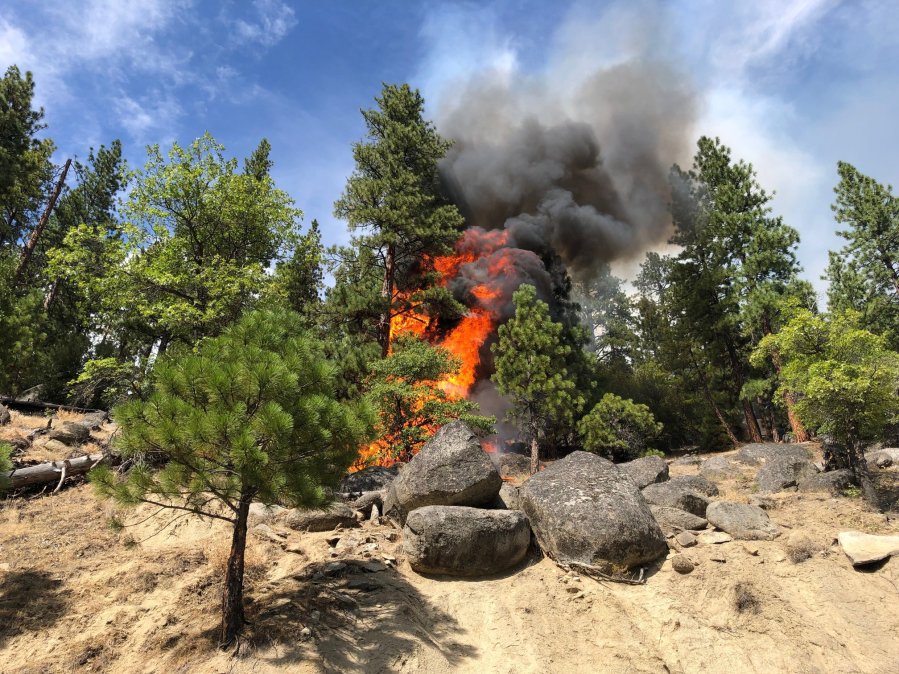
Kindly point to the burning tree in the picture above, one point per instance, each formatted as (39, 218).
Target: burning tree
(530, 369)
(411, 407)
(252, 415)
(394, 197)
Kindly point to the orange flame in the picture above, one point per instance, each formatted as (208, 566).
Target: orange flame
(467, 338)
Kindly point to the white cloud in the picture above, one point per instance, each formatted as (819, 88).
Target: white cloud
(274, 20)
(147, 119)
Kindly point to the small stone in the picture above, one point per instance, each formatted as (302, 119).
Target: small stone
(305, 632)
(572, 589)
(374, 566)
(333, 540)
(718, 558)
(682, 564)
(685, 539)
(375, 513)
(714, 537)
(751, 549)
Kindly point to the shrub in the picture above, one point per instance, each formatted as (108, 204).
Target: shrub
(618, 428)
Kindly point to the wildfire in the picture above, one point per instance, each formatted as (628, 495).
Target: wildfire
(466, 339)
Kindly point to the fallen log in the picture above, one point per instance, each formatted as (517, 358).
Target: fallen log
(38, 406)
(44, 473)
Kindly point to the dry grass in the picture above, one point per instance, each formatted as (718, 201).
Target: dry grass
(746, 599)
(800, 548)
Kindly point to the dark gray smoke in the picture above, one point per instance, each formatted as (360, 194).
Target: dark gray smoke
(581, 173)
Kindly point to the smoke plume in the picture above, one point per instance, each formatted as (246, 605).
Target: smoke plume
(582, 172)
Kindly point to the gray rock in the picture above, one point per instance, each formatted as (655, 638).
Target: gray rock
(742, 521)
(762, 452)
(463, 541)
(881, 458)
(720, 468)
(782, 473)
(264, 531)
(682, 564)
(674, 519)
(514, 465)
(864, 548)
(368, 501)
(833, 482)
(646, 470)
(880, 487)
(451, 469)
(509, 497)
(264, 514)
(70, 433)
(696, 483)
(675, 495)
(338, 514)
(5, 417)
(373, 478)
(685, 539)
(714, 537)
(94, 420)
(582, 508)
(687, 460)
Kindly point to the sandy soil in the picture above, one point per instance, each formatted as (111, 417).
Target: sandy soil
(74, 596)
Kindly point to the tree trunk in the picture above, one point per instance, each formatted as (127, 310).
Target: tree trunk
(41, 224)
(52, 471)
(752, 423)
(387, 297)
(232, 595)
(799, 432)
(711, 401)
(535, 454)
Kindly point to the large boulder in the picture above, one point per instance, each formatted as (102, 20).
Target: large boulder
(832, 482)
(880, 458)
(646, 470)
(863, 548)
(463, 541)
(4, 415)
(509, 497)
(720, 468)
(70, 433)
(764, 452)
(451, 469)
(94, 420)
(676, 495)
(582, 508)
(514, 465)
(327, 519)
(880, 487)
(373, 478)
(742, 521)
(783, 473)
(696, 483)
(673, 520)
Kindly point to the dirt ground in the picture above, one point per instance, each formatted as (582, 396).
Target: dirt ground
(75, 596)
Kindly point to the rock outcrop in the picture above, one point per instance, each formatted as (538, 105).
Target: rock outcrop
(742, 521)
(451, 469)
(784, 473)
(321, 520)
(463, 541)
(582, 508)
(676, 495)
(646, 470)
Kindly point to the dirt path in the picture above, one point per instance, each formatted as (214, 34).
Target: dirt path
(75, 597)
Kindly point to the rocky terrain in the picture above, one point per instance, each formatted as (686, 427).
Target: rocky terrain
(740, 561)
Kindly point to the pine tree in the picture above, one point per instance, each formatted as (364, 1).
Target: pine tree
(864, 275)
(251, 415)
(394, 199)
(411, 407)
(531, 372)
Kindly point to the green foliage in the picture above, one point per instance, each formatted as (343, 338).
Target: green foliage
(299, 280)
(411, 407)
(251, 413)
(25, 166)
(5, 466)
(618, 428)
(394, 202)
(864, 275)
(530, 367)
(846, 378)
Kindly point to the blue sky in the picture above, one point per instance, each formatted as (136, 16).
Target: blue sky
(790, 85)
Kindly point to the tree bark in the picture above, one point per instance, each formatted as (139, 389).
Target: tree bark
(387, 296)
(800, 434)
(45, 473)
(41, 224)
(232, 595)
(535, 453)
(752, 422)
